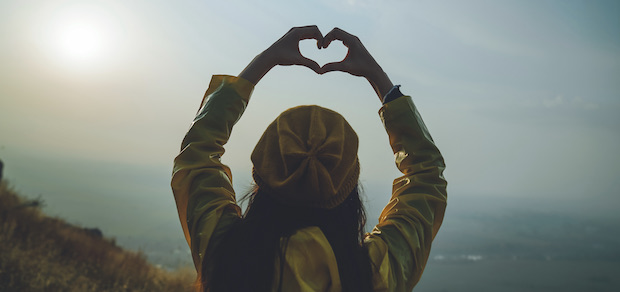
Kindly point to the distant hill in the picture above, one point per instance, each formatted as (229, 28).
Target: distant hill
(41, 253)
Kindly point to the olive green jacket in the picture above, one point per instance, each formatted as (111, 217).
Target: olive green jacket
(398, 246)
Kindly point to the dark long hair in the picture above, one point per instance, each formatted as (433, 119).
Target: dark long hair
(245, 258)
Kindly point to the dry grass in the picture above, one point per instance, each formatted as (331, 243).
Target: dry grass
(40, 253)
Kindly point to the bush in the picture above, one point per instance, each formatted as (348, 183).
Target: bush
(40, 253)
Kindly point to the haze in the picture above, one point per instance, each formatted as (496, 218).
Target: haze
(522, 98)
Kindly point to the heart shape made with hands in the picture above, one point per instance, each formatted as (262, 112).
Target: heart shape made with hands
(335, 52)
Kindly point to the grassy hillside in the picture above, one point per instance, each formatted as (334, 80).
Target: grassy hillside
(40, 253)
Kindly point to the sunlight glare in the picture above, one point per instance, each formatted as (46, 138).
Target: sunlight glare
(83, 34)
(80, 42)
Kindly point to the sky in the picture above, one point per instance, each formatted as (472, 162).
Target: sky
(521, 97)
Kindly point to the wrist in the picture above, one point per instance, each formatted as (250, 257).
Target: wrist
(381, 83)
(258, 67)
(266, 59)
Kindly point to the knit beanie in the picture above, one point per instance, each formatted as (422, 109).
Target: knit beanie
(307, 157)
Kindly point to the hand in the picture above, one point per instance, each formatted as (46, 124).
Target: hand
(284, 51)
(358, 62)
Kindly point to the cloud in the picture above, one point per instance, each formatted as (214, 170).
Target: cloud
(478, 36)
(487, 26)
(577, 102)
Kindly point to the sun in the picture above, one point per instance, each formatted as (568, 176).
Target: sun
(81, 35)
(80, 41)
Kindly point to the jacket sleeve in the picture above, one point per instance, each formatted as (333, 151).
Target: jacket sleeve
(400, 244)
(201, 184)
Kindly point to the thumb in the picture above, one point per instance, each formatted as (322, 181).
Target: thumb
(310, 64)
(333, 66)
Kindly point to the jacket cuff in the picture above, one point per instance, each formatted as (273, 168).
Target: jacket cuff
(243, 87)
(396, 107)
(393, 94)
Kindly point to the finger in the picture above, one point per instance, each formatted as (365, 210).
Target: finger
(311, 32)
(310, 64)
(328, 38)
(337, 34)
(333, 66)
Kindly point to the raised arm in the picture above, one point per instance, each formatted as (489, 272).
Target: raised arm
(284, 51)
(400, 244)
(201, 183)
(358, 62)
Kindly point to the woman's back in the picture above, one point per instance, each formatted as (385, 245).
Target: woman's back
(299, 248)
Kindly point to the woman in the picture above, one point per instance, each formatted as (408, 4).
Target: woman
(303, 230)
